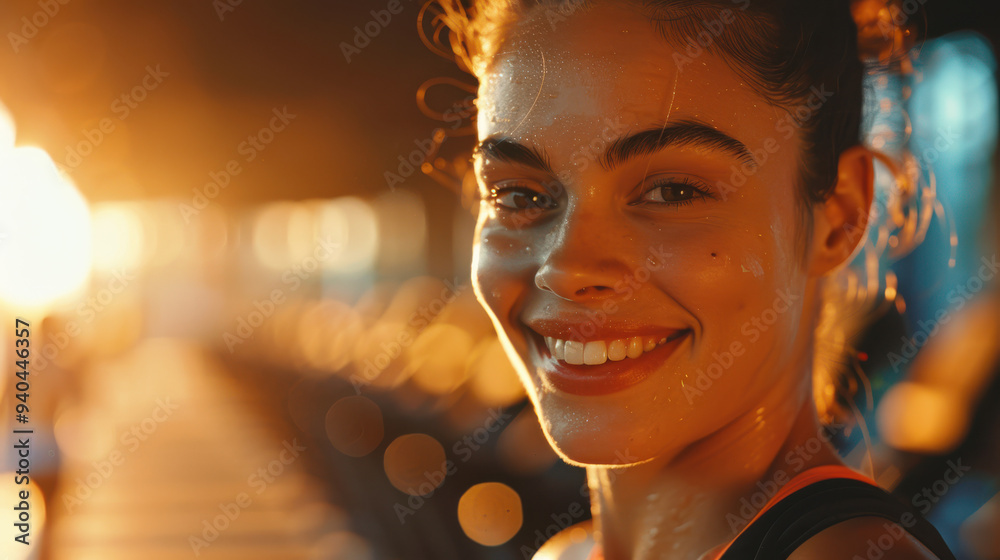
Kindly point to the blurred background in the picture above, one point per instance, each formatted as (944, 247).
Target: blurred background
(238, 234)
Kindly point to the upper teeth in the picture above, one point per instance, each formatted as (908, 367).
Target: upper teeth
(597, 352)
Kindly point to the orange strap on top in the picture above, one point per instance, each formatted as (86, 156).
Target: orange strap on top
(798, 482)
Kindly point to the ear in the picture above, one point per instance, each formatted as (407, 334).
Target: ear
(840, 222)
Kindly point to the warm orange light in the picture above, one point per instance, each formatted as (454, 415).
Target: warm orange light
(328, 330)
(890, 286)
(7, 129)
(415, 464)
(35, 509)
(438, 357)
(921, 418)
(271, 234)
(119, 236)
(490, 513)
(403, 232)
(494, 379)
(45, 242)
(350, 224)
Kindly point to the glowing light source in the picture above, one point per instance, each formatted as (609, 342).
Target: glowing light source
(166, 238)
(920, 418)
(301, 234)
(287, 233)
(35, 508)
(890, 286)
(351, 223)
(490, 513)
(440, 372)
(958, 99)
(494, 379)
(270, 234)
(118, 236)
(45, 241)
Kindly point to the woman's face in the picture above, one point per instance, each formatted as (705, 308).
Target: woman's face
(637, 244)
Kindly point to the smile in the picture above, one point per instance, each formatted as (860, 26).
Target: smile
(601, 367)
(597, 352)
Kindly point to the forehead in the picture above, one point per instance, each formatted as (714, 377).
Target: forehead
(572, 76)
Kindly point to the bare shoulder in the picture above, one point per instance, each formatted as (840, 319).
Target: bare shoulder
(572, 543)
(863, 537)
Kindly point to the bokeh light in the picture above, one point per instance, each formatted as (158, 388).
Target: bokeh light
(349, 223)
(354, 426)
(327, 332)
(439, 356)
(922, 419)
(415, 464)
(34, 506)
(119, 236)
(494, 379)
(490, 513)
(271, 234)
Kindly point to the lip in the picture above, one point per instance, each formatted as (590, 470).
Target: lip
(569, 328)
(609, 377)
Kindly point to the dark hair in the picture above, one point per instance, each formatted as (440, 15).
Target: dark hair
(789, 51)
(793, 53)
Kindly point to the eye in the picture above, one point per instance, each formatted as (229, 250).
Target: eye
(674, 192)
(516, 198)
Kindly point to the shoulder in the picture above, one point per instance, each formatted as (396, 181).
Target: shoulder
(572, 543)
(863, 537)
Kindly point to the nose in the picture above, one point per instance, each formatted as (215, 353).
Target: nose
(583, 262)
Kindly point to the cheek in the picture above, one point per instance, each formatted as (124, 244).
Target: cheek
(728, 280)
(502, 266)
(716, 270)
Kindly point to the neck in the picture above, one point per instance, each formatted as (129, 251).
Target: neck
(683, 506)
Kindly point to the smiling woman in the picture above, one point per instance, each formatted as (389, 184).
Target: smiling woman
(667, 189)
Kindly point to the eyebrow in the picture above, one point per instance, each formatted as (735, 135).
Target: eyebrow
(680, 133)
(688, 132)
(508, 150)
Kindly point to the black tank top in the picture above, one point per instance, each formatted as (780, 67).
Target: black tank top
(807, 511)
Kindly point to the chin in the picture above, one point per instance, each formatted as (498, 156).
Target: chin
(584, 437)
(602, 450)
(599, 455)
(627, 426)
